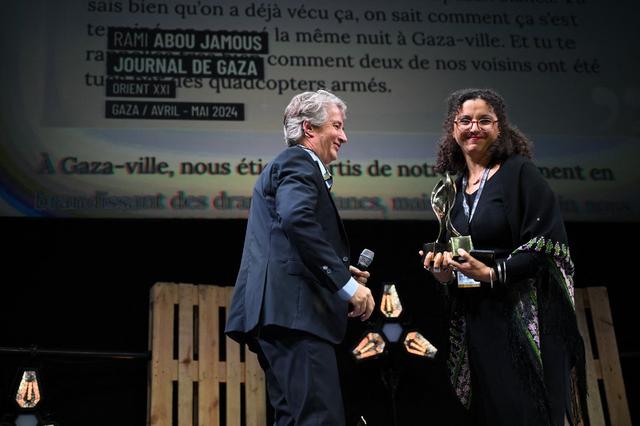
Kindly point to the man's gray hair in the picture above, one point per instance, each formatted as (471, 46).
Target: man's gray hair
(311, 107)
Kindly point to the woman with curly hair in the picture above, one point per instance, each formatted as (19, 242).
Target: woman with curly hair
(516, 356)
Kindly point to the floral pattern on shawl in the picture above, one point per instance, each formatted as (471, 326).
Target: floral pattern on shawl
(458, 362)
(561, 257)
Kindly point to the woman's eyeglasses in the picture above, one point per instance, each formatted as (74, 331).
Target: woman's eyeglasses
(467, 123)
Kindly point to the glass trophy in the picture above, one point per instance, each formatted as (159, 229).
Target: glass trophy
(443, 197)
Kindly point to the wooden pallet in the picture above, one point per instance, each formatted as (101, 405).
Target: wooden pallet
(188, 374)
(603, 362)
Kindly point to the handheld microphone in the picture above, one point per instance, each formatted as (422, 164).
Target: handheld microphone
(366, 257)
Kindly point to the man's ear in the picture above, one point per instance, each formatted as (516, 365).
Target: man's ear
(307, 128)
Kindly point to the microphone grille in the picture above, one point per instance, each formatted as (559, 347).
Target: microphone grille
(366, 257)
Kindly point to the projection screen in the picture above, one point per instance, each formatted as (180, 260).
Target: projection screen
(170, 109)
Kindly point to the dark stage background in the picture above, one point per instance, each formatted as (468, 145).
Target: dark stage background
(84, 285)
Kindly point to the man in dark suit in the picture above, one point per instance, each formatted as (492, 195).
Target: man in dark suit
(293, 291)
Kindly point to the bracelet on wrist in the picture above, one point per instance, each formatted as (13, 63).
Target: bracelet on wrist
(491, 277)
(501, 268)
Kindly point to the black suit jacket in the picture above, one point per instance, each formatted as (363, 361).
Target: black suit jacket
(295, 256)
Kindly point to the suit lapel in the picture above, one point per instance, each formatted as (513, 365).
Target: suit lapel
(343, 233)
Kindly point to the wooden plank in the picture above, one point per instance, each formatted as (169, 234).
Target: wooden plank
(594, 403)
(163, 298)
(208, 371)
(255, 391)
(233, 374)
(208, 379)
(186, 376)
(150, 349)
(609, 358)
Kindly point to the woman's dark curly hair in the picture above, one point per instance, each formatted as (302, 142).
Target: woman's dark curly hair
(510, 140)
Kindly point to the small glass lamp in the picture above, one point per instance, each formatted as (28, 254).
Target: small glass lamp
(28, 392)
(372, 345)
(416, 344)
(390, 305)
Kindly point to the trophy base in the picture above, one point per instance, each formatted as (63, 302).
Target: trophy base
(435, 247)
(463, 242)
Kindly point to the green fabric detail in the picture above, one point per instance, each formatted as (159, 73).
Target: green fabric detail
(560, 269)
(558, 278)
(549, 246)
(557, 250)
(534, 346)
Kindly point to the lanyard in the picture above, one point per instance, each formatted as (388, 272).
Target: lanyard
(465, 205)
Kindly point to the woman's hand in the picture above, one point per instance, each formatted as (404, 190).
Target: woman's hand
(439, 265)
(471, 267)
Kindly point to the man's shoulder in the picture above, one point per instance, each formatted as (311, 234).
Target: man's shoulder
(293, 156)
(292, 152)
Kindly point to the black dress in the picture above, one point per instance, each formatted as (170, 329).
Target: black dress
(506, 385)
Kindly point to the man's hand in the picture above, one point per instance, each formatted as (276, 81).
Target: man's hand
(358, 275)
(362, 303)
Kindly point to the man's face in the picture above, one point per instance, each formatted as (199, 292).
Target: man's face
(326, 140)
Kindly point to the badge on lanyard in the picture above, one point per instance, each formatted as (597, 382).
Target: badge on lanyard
(466, 282)
(463, 280)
